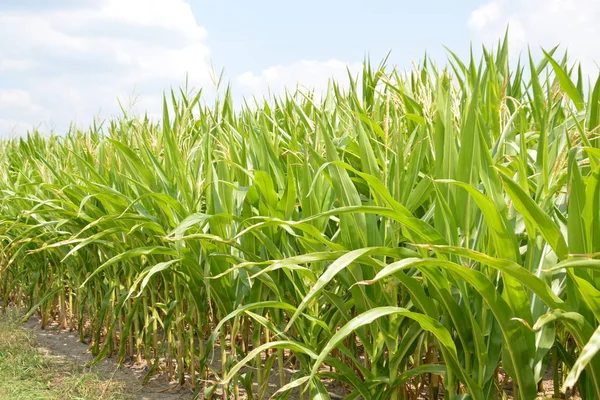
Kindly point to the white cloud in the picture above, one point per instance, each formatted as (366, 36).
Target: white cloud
(67, 64)
(16, 102)
(486, 14)
(15, 98)
(7, 65)
(574, 24)
(62, 65)
(312, 75)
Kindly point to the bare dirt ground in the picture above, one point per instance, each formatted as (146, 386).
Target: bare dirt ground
(65, 345)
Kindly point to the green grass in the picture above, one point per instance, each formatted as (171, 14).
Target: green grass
(26, 373)
(436, 232)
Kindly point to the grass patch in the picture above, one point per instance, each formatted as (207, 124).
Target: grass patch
(26, 373)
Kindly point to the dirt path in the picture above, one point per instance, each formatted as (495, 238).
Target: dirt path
(65, 345)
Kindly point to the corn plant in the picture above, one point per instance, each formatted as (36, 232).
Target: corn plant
(432, 233)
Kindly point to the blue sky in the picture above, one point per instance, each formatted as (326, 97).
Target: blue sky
(254, 35)
(74, 60)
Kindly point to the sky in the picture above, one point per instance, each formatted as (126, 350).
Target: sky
(74, 61)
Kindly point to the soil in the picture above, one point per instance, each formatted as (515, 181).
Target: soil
(66, 345)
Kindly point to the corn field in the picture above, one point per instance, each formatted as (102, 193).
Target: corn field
(408, 235)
